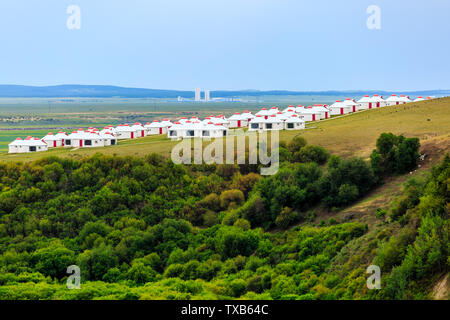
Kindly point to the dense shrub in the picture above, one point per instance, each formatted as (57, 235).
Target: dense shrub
(395, 154)
(311, 153)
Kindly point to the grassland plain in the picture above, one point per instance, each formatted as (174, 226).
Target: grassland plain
(350, 135)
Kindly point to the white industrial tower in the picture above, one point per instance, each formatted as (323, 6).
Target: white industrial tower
(207, 96)
(198, 94)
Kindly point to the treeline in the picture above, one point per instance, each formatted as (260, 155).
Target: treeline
(147, 228)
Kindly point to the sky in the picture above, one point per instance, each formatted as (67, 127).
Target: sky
(227, 44)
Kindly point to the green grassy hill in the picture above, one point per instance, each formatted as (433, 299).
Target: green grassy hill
(351, 135)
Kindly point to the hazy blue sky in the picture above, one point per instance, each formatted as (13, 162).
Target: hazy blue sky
(227, 44)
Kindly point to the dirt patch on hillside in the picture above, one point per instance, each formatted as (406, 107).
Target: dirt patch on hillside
(441, 291)
(364, 210)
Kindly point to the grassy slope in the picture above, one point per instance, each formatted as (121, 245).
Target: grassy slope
(352, 135)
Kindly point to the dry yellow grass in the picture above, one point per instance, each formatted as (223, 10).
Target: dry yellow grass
(356, 134)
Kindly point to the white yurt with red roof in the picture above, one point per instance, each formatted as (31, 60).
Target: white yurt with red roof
(247, 115)
(274, 123)
(308, 113)
(61, 135)
(139, 129)
(84, 139)
(378, 100)
(183, 120)
(294, 123)
(365, 103)
(419, 98)
(156, 127)
(393, 100)
(257, 123)
(52, 141)
(124, 131)
(193, 129)
(238, 120)
(274, 110)
(404, 99)
(299, 108)
(284, 115)
(213, 130)
(176, 130)
(218, 120)
(290, 108)
(351, 103)
(339, 108)
(29, 144)
(264, 113)
(323, 111)
(108, 138)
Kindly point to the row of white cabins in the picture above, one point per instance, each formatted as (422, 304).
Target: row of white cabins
(291, 118)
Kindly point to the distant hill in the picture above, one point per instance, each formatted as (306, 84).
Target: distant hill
(99, 91)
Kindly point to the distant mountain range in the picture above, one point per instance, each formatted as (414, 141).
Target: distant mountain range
(99, 91)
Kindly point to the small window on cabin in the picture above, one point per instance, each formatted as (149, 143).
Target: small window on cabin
(290, 125)
(269, 126)
(205, 133)
(68, 142)
(190, 133)
(255, 126)
(173, 133)
(88, 142)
